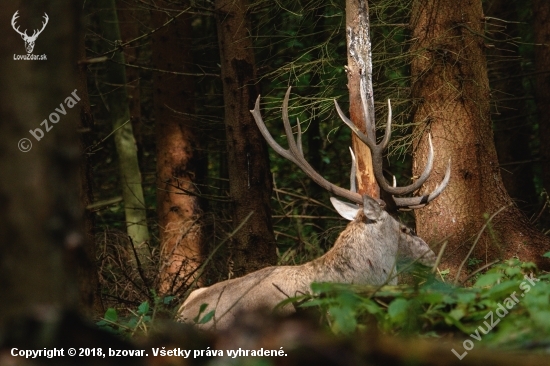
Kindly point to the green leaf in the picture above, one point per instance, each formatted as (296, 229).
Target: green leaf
(371, 307)
(143, 308)
(344, 321)
(167, 300)
(547, 255)
(465, 297)
(111, 315)
(488, 279)
(457, 313)
(207, 317)
(503, 289)
(398, 309)
(202, 308)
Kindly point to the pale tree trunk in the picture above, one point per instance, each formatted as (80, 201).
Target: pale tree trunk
(253, 247)
(117, 104)
(128, 20)
(40, 231)
(512, 134)
(360, 69)
(179, 154)
(541, 27)
(451, 87)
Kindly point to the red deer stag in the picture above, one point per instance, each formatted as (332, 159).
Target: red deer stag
(364, 253)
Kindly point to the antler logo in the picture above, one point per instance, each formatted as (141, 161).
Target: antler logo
(29, 40)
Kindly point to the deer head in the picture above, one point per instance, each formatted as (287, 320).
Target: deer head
(29, 40)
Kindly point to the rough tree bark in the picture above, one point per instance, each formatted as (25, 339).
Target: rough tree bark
(451, 88)
(541, 28)
(360, 68)
(179, 162)
(253, 247)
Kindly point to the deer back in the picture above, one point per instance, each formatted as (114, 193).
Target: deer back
(364, 253)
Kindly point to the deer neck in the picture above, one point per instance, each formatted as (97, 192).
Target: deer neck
(360, 255)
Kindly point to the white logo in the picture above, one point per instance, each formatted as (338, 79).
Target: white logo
(29, 40)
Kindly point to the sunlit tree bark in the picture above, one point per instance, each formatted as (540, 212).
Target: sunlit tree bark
(179, 162)
(451, 89)
(360, 68)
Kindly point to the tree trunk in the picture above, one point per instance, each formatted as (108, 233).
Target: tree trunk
(512, 134)
(117, 103)
(41, 212)
(129, 30)
(541, 27)
(253, 247)
(88, 277)
(179, 163)
(450, 83)
(360, 68)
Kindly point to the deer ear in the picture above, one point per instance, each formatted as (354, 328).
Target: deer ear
(371, 208)
(347, 210)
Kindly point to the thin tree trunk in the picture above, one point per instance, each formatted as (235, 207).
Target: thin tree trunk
(129, 30)
(253, 247)
(117, 104)
(360, 69)
(179, 155)
(541, 27)
(451, 86)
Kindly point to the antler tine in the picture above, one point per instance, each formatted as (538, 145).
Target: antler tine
(352, 183)
(299, 137)
(295, 153)
(421, 201)
(387, 133)
(267, 136)
(366, 139)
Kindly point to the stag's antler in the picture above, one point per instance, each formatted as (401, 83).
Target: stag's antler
(295, 154)
(377, 151)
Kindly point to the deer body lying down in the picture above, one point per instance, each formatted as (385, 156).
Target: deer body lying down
(364, 253)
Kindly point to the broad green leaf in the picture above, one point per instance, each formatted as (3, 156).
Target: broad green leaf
(398, 309)
(143, 308)
(488, 279)
(343, 320)
(111, 315)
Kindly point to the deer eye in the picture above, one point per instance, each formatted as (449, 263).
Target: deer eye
(404, 230)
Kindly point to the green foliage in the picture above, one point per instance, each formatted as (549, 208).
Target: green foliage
(133, 321)
(510, 300)
(206, 318)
